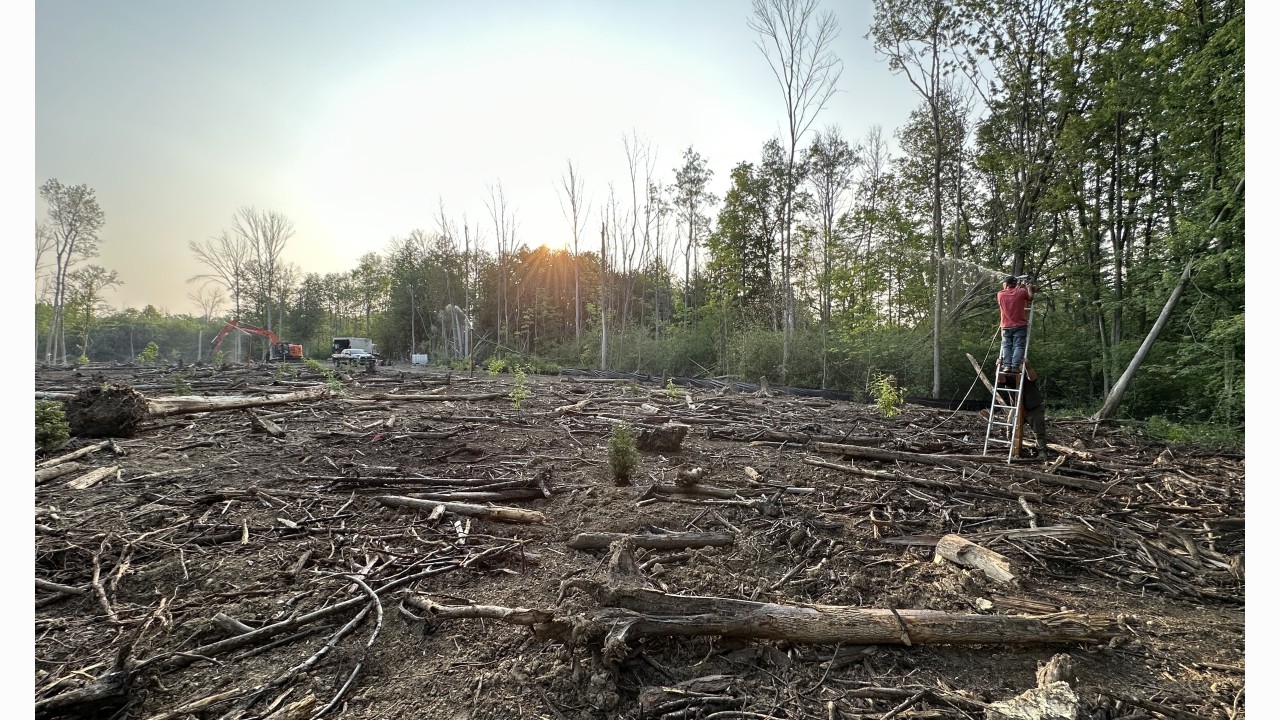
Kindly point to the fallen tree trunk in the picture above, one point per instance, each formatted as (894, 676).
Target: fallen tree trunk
(627, 612)
(440, 398)
(51, 462)
(117, 410)
(665, 541)
(182, 405)
(923, 482)
(952, 461)
(49, 473)
(484, 512)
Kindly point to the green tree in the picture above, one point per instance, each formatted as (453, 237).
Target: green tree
(85, 298)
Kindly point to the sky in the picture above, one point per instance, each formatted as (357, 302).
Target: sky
(357, 120)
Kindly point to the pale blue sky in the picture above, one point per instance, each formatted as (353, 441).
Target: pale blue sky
(354, 119)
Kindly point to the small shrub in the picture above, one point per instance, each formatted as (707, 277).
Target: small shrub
(149, 354)
(82, 360)
(181, 386)
(520, 392)
(52, 429)
(495, 366)
(335, 385)
(888, 396)
(623, 456)
(219, 359)
(672, 391)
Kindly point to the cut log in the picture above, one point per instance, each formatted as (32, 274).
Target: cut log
(49, 473)
(952, 461)
(502, 514)
(51, 462)
(183, 405)
(440, 398)
(627, 612)
(93, 477)
(117, 410)
(664, 541)
(262, 425)
(962, 552)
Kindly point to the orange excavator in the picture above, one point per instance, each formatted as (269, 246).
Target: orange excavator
(279, 352)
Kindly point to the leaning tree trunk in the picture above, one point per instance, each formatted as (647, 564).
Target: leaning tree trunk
(1112, 403)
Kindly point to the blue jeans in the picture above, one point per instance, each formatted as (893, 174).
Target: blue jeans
(1013, 345)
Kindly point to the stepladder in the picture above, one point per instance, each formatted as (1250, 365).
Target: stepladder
(1005, 417)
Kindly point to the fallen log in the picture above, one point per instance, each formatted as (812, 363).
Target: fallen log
(118, 410)
(440, 398)
(93, 477)
(49, 473)
(628, 611)
(922, 482)
(484, 512)
(51, 462)
(664, 541)
(182, 405)
(962, 552)
(952, 461)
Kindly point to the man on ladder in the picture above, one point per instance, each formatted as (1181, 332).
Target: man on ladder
(1015, 300)
(1006, 398)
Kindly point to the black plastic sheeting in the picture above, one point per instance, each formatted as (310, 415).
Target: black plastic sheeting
(707, 384)
(742, 387)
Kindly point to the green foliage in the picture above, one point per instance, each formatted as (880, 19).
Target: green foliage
(149, 354)
(331, 379)
(624, 459)
(672, 391)
(52, 430)
(887, 395)
(495, 366)
(180, 385)
(1205, 435)
(219, 359)
(82, 360)
(520, 392)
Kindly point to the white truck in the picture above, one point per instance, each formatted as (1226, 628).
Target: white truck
(354, 351)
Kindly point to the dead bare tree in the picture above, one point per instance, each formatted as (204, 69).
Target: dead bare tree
(571, 184)
(74, 221)
(797, 42)
(504, 229)
(266, 233)
(210, 299)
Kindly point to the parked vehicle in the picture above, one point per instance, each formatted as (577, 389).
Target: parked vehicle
(278, 352)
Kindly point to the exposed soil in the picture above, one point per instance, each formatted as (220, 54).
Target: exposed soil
(208, 522)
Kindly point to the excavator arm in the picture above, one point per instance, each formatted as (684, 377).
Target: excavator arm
(244, 328)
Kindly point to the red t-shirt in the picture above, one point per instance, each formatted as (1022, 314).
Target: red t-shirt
(1013, 306)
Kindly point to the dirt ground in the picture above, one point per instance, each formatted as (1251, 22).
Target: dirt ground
(220, 571)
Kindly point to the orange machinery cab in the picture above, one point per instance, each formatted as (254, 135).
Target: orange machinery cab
(290, 352)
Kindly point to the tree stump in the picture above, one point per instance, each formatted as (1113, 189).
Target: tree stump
(664, 438)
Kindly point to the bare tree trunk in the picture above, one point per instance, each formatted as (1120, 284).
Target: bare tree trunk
(1113, 399)
(1112, 403)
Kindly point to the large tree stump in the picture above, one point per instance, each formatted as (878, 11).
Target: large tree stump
(107, 410)
(664, 438)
